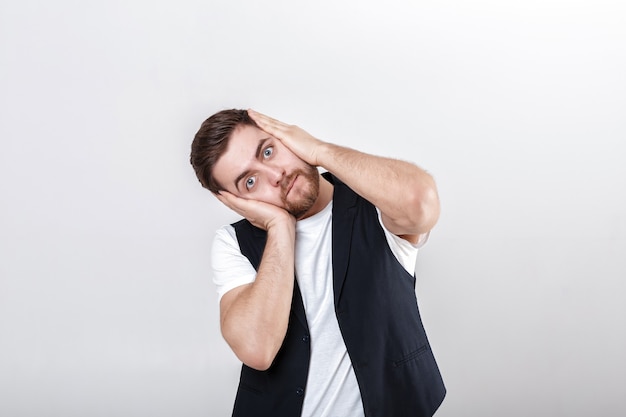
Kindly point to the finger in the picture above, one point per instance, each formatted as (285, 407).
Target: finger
(267, 123)
(222, 200)
(228, 200)
(226, 197)
(263, 117)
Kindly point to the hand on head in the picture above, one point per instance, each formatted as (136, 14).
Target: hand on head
(301, 143)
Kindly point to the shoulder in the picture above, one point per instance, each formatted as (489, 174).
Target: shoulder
(230, 268)
(404, 250)
(224, 248)
(225, 236)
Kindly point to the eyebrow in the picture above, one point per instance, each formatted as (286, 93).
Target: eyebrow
(257, 155)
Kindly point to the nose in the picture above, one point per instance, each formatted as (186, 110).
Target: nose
(275, 175)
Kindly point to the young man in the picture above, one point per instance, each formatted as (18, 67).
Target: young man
(316, 283)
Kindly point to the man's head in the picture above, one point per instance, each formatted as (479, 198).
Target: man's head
(231, 153)
(211, 142)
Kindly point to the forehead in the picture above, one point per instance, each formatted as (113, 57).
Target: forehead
(240, 151)
(244, 139)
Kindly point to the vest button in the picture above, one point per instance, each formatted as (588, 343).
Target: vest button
(300, 391)
(305, 338)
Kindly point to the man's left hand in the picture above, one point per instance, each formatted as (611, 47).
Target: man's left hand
(301, 143)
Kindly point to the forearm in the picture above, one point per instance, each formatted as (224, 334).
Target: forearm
(255, 323)
(405, 193)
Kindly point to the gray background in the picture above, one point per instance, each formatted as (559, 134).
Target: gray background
(516, 107)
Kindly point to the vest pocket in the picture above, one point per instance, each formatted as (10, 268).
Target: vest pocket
(250, 388)
(253, 381)
(411, 356)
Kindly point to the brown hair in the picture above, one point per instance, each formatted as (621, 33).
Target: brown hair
(211, 142)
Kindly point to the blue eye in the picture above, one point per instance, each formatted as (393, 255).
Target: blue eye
(268, 152)
(250, 182)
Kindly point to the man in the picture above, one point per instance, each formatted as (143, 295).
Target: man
(316, 283)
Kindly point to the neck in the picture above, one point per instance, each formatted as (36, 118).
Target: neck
(323, 198)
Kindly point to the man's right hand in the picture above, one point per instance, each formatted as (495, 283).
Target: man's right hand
(254, 317)
(260, 214)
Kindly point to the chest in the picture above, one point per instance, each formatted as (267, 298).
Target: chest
(314, 272)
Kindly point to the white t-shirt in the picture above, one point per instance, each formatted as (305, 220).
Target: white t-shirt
(332, 389)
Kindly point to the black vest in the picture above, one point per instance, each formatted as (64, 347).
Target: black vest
(377, 311)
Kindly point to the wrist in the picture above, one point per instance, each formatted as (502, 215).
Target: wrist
(284, 223)
(322, 154)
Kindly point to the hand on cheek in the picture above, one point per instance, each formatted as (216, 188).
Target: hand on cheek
(260, 214)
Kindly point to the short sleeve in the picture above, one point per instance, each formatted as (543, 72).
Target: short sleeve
(404, 251)
(230, 267)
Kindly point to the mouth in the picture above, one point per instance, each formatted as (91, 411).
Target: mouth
(290, 185)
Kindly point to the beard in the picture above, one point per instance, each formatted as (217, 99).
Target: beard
(298, 208)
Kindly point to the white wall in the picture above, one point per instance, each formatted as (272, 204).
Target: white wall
(516, 107)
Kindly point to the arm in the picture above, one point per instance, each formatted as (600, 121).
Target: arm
(405, 194)
(254, 317)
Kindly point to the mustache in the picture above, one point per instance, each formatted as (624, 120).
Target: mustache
(288, 179)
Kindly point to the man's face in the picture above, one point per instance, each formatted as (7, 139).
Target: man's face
(258, 166)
